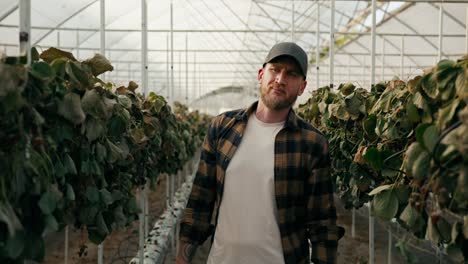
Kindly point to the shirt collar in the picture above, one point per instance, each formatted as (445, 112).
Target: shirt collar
(291, 120)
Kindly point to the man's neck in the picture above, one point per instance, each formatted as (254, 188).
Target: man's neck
(267, 115)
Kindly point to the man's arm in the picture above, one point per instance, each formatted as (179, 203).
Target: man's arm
(186, 253)
(323, 231)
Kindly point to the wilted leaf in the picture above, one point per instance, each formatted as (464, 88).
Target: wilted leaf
(70, 108)
(93, 104)
(430, 137)
(380, 189)
(99, 64)
(94, 129)
(53, 53)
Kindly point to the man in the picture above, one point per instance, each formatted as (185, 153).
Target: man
(263, 185)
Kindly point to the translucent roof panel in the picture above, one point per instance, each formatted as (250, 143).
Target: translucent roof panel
(223, 43)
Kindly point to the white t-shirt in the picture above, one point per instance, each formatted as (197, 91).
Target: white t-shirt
(247, 230)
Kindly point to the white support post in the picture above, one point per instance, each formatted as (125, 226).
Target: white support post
(194, 88)
(100, 259)
(441, 25)
(363, 71)
(168, 190)
(373, 37)
(317, 45)
(383, 60)
(353, 223)
(58, 39)
(179, 86)
(146, 210)
(371, 235)
(66, 246)
(402, 57)
(390, 245)
(25, 29)
(186, 69)
(466, 33)
(102, 31)
(292, 21)
(77, 44)
(171, 101)
(349, 68)
(332, 42)
(141, 226)
(168, 92)
(144, 46)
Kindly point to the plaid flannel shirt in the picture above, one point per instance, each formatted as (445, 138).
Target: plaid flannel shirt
(303, 188)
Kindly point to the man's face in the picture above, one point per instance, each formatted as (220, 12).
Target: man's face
(281, 82)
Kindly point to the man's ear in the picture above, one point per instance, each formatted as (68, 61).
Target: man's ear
(260, 74)
(302, 88)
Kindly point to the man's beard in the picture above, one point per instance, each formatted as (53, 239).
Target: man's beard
(276, 103)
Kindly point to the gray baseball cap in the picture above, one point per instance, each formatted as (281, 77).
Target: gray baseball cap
(289, 49)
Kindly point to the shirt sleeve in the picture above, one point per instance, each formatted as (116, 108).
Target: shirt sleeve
(322, 229)
(195, 225)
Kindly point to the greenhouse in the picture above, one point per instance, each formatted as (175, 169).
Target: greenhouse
(106, 108)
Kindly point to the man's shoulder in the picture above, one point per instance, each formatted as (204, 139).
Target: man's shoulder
(307, 127)
(224, 117)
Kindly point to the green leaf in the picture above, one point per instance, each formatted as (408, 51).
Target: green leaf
(94, 129)
(119, 217)
(373, 157)
(380, 189)
(421, 166)
(132, 206)
(117, 195)
(98, 64)
(445, 230)
(101, 225)
(69, 164)
(420, 129)
(106, 197)
(430, 137)
(92, 193)
(70, 194)
(410, 216)
(87, 215)
(42, 71)
(78, 74)
(15, 244)
(429, 86)
(124, 101)
(34, 248)
(95, 237)
(114, 153)
(48, 202)
(53, 53)
(70, 108)
(461, 84)
(101, 152)
(385, 204)
(446, 114)
(412, 112)
(51, 223)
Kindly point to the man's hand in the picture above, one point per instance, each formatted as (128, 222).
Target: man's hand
(186, 253)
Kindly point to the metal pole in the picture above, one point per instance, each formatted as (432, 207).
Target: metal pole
(172, 57)
(363, 71)
(77, 44)
(402, 57)
(353, 224)
(168, 94)
(58, 38)
(317, 45)
(372, 77)
(25, 29)
(332, 41)
(441, 24)
(146, 212)
(292, 21)
(167, 191)
(383, 59)
(66, 246)
(349, 68)
(144, 46)
(101, 253)
(194, 88)
(371, 235)
(186, 69)
(179, 92)
(103, 27)
(141, 226)
(102, 31)
(390, 245)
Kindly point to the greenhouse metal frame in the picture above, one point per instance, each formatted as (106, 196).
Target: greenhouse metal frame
(203, 52)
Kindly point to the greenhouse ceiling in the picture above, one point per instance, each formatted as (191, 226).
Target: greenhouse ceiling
(213, 44)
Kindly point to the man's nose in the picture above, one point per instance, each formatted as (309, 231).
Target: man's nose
(281, 77)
